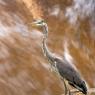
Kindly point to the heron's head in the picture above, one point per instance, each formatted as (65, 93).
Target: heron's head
(39, 22)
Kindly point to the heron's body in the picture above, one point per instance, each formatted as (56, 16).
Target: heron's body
(71, 75)
(65, 70)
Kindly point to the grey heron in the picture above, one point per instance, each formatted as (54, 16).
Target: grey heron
(63, 68)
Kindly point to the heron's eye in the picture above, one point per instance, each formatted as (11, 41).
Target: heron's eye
(40, 22)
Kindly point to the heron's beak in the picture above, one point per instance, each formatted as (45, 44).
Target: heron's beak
(33, 24)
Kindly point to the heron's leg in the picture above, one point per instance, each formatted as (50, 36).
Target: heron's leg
(63, 81)
(70, 93)
(65, 87)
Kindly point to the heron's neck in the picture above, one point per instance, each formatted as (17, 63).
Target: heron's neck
(46, 51)
(45, 30)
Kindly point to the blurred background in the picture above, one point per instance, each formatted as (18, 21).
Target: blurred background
(23, 68)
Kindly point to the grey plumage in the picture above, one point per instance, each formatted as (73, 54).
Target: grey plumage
(70, 74)
(65, 70)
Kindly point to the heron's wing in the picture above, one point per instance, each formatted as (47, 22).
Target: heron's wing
(71, 75)
(67, 71)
